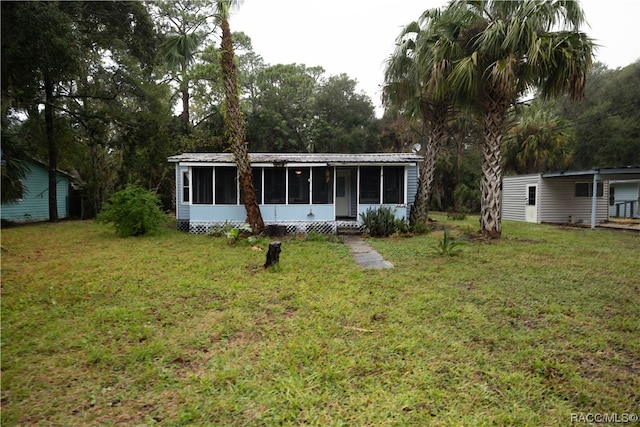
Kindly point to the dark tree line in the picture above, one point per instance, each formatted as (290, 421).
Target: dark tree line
(108, 90)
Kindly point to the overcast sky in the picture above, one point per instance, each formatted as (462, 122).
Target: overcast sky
(357, 36)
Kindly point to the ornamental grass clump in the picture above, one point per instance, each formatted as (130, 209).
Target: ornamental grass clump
(133, 211)
(382, 222)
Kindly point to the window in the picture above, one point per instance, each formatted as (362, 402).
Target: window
(370, 185)
(202, 185)
(322, 183)
(185, 187)
(256, 173)
(226, 186)
(274, 185)
(299, 185)
(531, 195)
(393, 184)
(585, 189)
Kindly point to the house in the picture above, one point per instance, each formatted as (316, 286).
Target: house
(576, 197)
(624, 199)
(34, 203)
(302, 192)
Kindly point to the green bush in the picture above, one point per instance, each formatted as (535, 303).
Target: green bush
(133, 211)
(448, 246)
(382, 222)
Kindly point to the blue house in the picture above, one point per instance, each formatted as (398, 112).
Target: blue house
(302, 192)
(34, 203)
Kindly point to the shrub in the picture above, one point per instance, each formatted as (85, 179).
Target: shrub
(133, 211)
(382, 222)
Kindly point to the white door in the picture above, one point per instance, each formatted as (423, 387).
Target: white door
(531, 203)
(343, 193)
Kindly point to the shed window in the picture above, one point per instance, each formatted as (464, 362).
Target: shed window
(299, 185)
(274, 186)
(226, 186)
(322, 183)
(185, 187)
(393, 184)
(202, 185)
(585, 189)
(370, 185)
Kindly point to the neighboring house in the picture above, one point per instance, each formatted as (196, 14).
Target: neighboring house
(575, 197)
(624, 199)
(302, 192)
(34, 203)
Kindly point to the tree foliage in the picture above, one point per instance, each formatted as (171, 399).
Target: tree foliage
(607, 120)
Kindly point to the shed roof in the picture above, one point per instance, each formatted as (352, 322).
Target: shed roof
(284, 158)
(618, 170)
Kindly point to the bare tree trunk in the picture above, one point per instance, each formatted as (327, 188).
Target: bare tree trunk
(52, 149)
(234, 129)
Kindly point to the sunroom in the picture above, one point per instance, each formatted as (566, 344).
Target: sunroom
(301, 192)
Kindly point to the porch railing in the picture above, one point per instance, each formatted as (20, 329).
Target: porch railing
(628, 208)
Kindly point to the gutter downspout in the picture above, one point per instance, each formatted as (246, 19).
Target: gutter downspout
(594, 198)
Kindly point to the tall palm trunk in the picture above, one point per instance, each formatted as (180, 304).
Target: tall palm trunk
(494, 122)
(420, 208)
(234, 129)
(434, 121)
(52, 150)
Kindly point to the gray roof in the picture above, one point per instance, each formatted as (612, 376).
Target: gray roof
(284, 158)
(619, 170)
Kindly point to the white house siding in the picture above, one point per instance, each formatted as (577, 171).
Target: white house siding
(558, 203)
(514, 196)
(625, 191)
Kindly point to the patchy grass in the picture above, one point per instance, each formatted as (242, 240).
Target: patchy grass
(176, 329)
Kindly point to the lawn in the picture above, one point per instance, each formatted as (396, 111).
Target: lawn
(176, 329)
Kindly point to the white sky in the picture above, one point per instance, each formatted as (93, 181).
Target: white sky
(357, 36)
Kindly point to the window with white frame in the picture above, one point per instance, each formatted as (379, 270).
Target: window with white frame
(226, 185)
(202, 182)
(370, 185)
(393, 184)
(185, 187)
(585, 189)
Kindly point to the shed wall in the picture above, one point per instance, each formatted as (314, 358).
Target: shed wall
(559, 204)
(514, 196)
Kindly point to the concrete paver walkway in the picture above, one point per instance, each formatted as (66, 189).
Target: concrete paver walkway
(364, 254)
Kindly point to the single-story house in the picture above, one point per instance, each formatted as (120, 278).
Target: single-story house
(624, 199)
(302, 192)
(576, 197)
(34, 203)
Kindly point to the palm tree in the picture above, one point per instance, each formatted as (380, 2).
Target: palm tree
(187, 23)
(234, 120)
(177, 51)
(414, 83)
(538, 141)
(508, 48)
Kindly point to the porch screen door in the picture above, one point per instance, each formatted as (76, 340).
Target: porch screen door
(343, 196)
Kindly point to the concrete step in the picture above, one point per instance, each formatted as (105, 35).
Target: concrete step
(348, 231)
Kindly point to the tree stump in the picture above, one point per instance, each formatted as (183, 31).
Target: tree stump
(273, 254)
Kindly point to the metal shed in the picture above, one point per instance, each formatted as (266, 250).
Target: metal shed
(576, 197)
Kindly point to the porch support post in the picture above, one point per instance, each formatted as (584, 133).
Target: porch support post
(594, 198)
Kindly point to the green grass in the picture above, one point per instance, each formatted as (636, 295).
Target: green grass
(176, 329)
